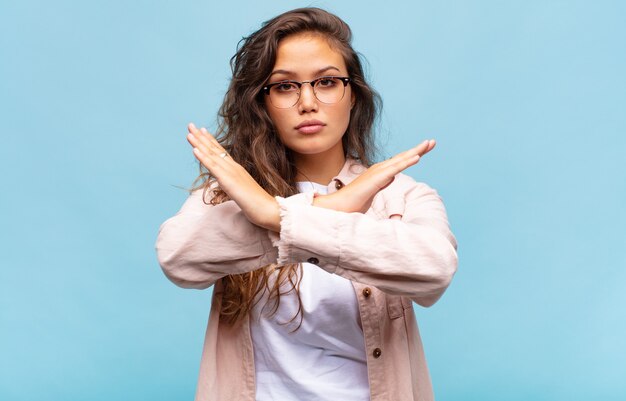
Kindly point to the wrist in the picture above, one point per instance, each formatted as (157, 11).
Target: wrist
(271, 215)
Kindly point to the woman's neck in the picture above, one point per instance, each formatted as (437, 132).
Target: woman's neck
(318, 168)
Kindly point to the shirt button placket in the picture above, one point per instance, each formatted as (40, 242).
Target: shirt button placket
(367, 292)
(372, 332)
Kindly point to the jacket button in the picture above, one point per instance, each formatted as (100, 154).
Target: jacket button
(377, 353)
(338, 184)
(367, 292)
(313, 261)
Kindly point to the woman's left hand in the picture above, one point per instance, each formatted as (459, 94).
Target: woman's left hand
(258, 206)
(359, 194)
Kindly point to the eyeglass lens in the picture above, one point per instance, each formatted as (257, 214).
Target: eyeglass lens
(327, 90)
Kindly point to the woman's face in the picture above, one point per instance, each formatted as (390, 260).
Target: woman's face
(310, 127)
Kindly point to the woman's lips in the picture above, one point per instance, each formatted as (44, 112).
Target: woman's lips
(310, 127)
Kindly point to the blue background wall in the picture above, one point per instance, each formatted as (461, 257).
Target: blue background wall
(527, 102)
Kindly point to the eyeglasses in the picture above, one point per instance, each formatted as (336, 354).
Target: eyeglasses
(286, 94)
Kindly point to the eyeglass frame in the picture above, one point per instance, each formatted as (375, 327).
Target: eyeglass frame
(344, 80)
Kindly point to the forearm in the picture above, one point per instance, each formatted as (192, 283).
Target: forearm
(396, 257)
(415, 257)
(203, 243)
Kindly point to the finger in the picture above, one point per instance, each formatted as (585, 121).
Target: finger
(196, 142)
(409, 157)
(403, 155)
(203, 140)
(206, 154)
(205, 159)
(399, 165)
(202, 135)
(408, 154)
(424, 147)
(191, 127)
(210, 139)
(192, 139)
(429, 147)
(406, 163)
(420, 150)
(213, 162)
(209, 142)
(194, 135)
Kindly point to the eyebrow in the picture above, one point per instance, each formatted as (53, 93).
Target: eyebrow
(289, 73)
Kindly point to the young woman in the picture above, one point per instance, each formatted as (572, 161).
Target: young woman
(315, 253)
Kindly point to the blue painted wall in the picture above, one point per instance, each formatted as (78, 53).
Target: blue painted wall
(527, 102)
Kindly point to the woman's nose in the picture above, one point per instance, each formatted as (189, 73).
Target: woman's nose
(307, 101)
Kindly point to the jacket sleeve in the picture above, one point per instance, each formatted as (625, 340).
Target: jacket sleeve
(413, 257)
(203, 243)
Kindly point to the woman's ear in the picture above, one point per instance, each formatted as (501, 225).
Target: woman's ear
(352, 101)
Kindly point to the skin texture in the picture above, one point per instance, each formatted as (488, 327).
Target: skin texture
(318, 156)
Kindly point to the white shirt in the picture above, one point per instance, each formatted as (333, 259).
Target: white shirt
(325, 358)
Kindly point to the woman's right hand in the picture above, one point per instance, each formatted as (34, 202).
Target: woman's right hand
(359, 194)
(259, 207)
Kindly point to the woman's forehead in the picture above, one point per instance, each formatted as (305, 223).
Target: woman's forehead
(307, 54)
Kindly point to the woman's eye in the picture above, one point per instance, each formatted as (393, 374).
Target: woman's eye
(326, 82)
(286, 87)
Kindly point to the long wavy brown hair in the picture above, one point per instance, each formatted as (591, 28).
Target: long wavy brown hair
(246, 131)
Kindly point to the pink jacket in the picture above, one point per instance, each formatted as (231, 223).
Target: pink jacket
(390, 264)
